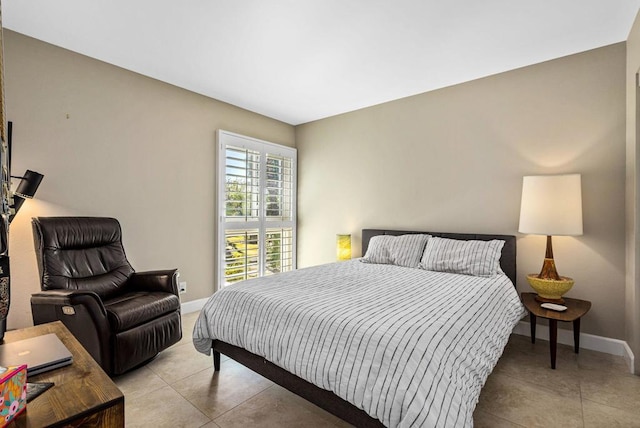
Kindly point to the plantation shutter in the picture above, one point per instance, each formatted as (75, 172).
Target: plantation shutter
(256, 208)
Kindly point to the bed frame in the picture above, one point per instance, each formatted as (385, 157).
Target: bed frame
(327, 399)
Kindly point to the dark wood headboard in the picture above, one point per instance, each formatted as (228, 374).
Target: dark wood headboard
(507, 259)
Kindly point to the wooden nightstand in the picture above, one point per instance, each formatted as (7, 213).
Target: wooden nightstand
(575, 309)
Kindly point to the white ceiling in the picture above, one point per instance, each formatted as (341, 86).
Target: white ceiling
(302, 60)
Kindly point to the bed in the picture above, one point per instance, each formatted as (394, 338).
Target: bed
(377, 344)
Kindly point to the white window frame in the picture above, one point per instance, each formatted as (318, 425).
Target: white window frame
(224, 139)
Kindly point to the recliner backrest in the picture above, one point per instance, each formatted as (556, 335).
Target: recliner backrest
(81, 253)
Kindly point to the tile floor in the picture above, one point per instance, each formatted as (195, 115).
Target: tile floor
(178, 389)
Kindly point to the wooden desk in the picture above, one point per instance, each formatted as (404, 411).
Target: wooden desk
(575, 309)
(83, 394)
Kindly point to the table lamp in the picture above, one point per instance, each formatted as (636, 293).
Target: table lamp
(551, 205)
(343, 247)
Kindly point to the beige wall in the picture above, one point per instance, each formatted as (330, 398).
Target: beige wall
(111, 142)
(453, 160)
(632, 307)
(114, 143)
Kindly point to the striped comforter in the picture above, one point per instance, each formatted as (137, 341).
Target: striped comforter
(410, 347)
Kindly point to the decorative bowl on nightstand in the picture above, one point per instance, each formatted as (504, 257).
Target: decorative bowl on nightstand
(550, 290)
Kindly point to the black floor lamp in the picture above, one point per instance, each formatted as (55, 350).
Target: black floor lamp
(26, 189)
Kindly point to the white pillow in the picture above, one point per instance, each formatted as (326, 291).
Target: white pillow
(478, 258)
(403, 250)
(378, 251)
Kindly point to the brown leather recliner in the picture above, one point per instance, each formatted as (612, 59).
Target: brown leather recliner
(123, 318)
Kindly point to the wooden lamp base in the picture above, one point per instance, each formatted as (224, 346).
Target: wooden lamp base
(548, 284)
(540, 299)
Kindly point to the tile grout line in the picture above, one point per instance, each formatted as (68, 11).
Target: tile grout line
(170, 385)
(240, 404)
(200, 410)
(536, 385)
(581, 397)
(141, 389)
(192, 404)
(609, 405)
(502, 418)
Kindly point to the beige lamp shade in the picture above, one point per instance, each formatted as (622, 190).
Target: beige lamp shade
(343, 247)
(551, 205)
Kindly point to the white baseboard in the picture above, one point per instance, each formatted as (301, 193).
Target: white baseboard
(193, 306)
(628, 356)
(587, 341)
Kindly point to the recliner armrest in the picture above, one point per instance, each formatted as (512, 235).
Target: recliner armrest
(157, 280)
(83, 313)
(70, 298)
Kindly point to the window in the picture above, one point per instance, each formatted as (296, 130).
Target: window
(256, 208)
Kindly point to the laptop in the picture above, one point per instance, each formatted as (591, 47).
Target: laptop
(40, 354)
